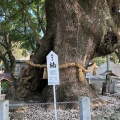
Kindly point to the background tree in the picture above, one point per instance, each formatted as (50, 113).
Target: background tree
(16, 29)
(99, 60)
(20, 29)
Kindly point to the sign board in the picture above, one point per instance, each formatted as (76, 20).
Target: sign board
(53, 69)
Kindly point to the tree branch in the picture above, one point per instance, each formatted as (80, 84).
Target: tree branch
(20, 10)
(96, 3)
(32, 27)
(18, 31)
(3, 45)
(40, 21)
(6, 63)
(116, 53)
(31, 23)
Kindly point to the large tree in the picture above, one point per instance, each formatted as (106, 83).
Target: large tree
(77, 30)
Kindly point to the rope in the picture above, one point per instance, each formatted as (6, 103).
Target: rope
(64, 66)
(81, 69)
(35, 65)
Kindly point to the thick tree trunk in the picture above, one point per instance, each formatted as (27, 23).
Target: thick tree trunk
(76, 33)
(31, 78)
(71, 45)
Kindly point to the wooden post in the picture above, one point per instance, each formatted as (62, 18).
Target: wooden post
(84, 108)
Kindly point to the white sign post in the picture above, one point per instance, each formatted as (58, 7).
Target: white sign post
(53, 74)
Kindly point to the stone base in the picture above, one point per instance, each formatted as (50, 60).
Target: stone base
(108, 88)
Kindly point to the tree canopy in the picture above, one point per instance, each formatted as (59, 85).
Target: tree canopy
(23, 23)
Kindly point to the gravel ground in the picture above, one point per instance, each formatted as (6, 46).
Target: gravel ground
(109, 110)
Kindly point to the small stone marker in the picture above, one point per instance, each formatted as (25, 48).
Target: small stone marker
(4, 109)
(84, 105)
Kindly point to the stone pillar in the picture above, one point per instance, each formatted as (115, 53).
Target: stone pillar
(4, 109)
(84, 108)
(0, 88)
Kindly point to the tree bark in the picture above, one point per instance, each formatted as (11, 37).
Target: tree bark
(7, 41)
(76, 32)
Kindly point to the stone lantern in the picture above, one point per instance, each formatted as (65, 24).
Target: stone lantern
(108, 86)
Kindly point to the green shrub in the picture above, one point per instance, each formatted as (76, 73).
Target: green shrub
(5, 86)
